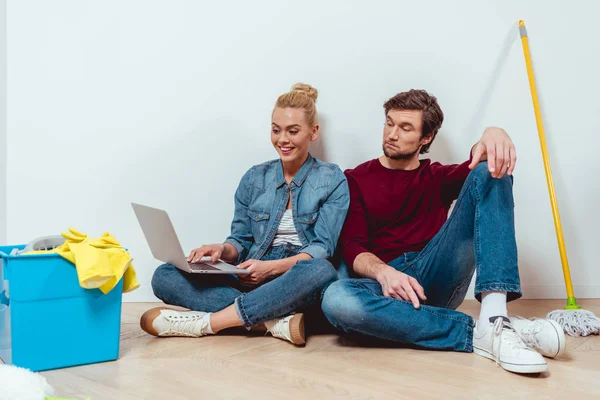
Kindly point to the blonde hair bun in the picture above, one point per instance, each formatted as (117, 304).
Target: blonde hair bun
(307, 90)
(301, 96)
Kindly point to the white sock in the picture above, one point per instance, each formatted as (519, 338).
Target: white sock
(208, 328)
(493, 304)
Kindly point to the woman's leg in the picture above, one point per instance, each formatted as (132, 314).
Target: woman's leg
(210, 297)
(300, 287)
(312, 276)
(197, 292)
(226, 318)
(222, 290)
(219, 301)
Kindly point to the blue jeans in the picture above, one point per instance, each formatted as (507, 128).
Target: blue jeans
(299, 288)
(479, 234)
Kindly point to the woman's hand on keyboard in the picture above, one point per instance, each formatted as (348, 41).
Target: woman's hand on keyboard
(214, 251)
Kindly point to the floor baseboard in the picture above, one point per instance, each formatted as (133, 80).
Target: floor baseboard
(144, 294)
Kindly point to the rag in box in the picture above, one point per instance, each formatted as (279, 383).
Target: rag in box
(100, 263)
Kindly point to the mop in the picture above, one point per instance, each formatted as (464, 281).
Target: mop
(574, 320)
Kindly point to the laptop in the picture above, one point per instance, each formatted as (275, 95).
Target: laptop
(165, 246)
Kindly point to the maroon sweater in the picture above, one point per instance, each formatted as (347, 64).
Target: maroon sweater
(394, 211)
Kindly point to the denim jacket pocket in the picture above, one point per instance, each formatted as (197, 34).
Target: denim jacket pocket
(259, 222)
(308, 218)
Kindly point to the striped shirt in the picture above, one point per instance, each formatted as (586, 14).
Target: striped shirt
(286, 232)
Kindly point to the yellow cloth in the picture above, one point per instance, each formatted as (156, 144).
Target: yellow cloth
(100, 263)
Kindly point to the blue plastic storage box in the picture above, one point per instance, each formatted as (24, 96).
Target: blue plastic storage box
(47, 320)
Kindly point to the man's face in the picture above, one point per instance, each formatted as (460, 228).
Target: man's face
(402, 134)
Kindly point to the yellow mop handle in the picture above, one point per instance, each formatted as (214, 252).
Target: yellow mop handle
(540, 127)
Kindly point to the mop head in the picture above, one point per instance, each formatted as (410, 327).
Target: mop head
(576, 322)
(21, 384)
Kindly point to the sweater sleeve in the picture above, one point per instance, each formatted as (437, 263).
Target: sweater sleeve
(354, 238)
(452, 179)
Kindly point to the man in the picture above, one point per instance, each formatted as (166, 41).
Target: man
(415, 264)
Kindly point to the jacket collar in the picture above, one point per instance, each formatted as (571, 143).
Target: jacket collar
(300, 176)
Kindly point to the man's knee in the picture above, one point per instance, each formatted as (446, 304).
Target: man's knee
(483, 175)
(340, 305)
(343, 272)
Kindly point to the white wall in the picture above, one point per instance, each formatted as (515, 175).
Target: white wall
(168, 103)
(2, 121)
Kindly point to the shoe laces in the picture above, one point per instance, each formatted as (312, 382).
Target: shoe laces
(529, 333)
(507, 336)
(280, 328)
(183, 324)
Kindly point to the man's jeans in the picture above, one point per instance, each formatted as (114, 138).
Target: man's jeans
(299, 288)
(478, 234)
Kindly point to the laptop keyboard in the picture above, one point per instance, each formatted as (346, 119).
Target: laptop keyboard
(202, 267)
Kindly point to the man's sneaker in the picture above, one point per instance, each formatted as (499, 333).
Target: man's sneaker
(167, 322)
(290, 328)
(500, 342)
(544, 335)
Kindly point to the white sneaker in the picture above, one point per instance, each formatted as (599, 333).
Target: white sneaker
(167, 322)
(290, 328)
(544, 335)
(502, 343)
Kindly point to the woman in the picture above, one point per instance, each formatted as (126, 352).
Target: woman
(288, 216)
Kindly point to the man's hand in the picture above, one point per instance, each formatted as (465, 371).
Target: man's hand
(400, 286)
(258, 271)
(214, 251)
(496, 147)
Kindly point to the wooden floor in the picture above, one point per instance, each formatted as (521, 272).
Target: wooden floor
(261, 367)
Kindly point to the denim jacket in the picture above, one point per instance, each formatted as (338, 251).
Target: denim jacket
(320, 200)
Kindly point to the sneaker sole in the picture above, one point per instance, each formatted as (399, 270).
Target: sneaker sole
(148, 318)
(297, 330)
(518, 368)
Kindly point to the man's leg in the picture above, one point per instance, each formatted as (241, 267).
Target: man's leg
(359, 306)
(480, 232)
(444, 268)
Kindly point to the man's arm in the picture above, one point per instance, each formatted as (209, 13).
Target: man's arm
(368, 265)
(354, 238)
(495, 145)
(393, 283)
(355, 247)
